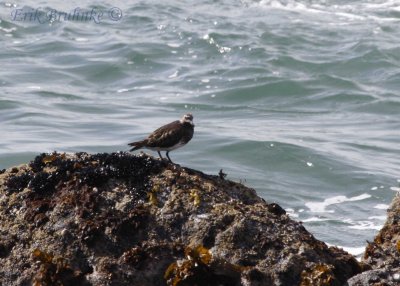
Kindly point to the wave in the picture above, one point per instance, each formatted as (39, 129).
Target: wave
(351, 11)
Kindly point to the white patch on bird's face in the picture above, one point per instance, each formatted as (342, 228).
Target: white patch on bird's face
(187, 118)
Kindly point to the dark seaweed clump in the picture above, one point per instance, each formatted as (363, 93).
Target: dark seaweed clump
(44, 183)
(118, 166)
(38, 164)
(276, 209)
(49, 170)
(55, 271)
(18, 183)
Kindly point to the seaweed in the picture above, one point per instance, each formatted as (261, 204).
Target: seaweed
(195, 196)
(276, 209)
(55, 271)
(199, 268)
(319, 274)
(44, 183)
(48, 170)
(146, 252)
(199, 254)
(193, 270)
(152, 196)
(18, 183)
(37, 164)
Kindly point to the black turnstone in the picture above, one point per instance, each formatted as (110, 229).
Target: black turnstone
(168, 137)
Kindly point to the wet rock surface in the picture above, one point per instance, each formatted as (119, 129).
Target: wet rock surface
(121, 219)
(383, 254)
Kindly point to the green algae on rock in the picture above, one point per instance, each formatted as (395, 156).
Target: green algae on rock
(121, 219)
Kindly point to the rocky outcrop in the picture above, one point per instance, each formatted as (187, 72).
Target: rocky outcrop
(120, 219)
(383, 254)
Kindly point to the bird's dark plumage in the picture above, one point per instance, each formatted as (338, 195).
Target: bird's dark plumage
(168, 137)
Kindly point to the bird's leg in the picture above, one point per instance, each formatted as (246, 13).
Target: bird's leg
(168, 157)
(159, 154)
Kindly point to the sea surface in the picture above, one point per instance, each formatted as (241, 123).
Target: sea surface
(297, 99)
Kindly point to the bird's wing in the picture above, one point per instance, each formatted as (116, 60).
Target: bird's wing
(165, 136)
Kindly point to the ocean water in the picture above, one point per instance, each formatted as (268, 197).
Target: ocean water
(297, 99)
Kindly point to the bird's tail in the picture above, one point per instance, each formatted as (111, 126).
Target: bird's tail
(137, 145)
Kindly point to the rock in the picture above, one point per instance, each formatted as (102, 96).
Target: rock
(383, 254)
(121, 219)
(377, 277)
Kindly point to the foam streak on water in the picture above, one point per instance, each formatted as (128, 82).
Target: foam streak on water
(321, 207)
(296, 98)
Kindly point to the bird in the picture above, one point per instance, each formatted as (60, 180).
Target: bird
(168, 137)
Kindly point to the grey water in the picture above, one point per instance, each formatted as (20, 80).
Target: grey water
(297, 99)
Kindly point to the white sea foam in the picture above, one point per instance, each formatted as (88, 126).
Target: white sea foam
(321, 206)
(78, 39)
(224, 49)
(356, 251)
(363, 225)
(174, 75)
(381, 207)
(144, 87)
(36, 87)
(395, 189)
(292, 213)
(174, 45)
(314, 219)
(379, 217)
(338, 13)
